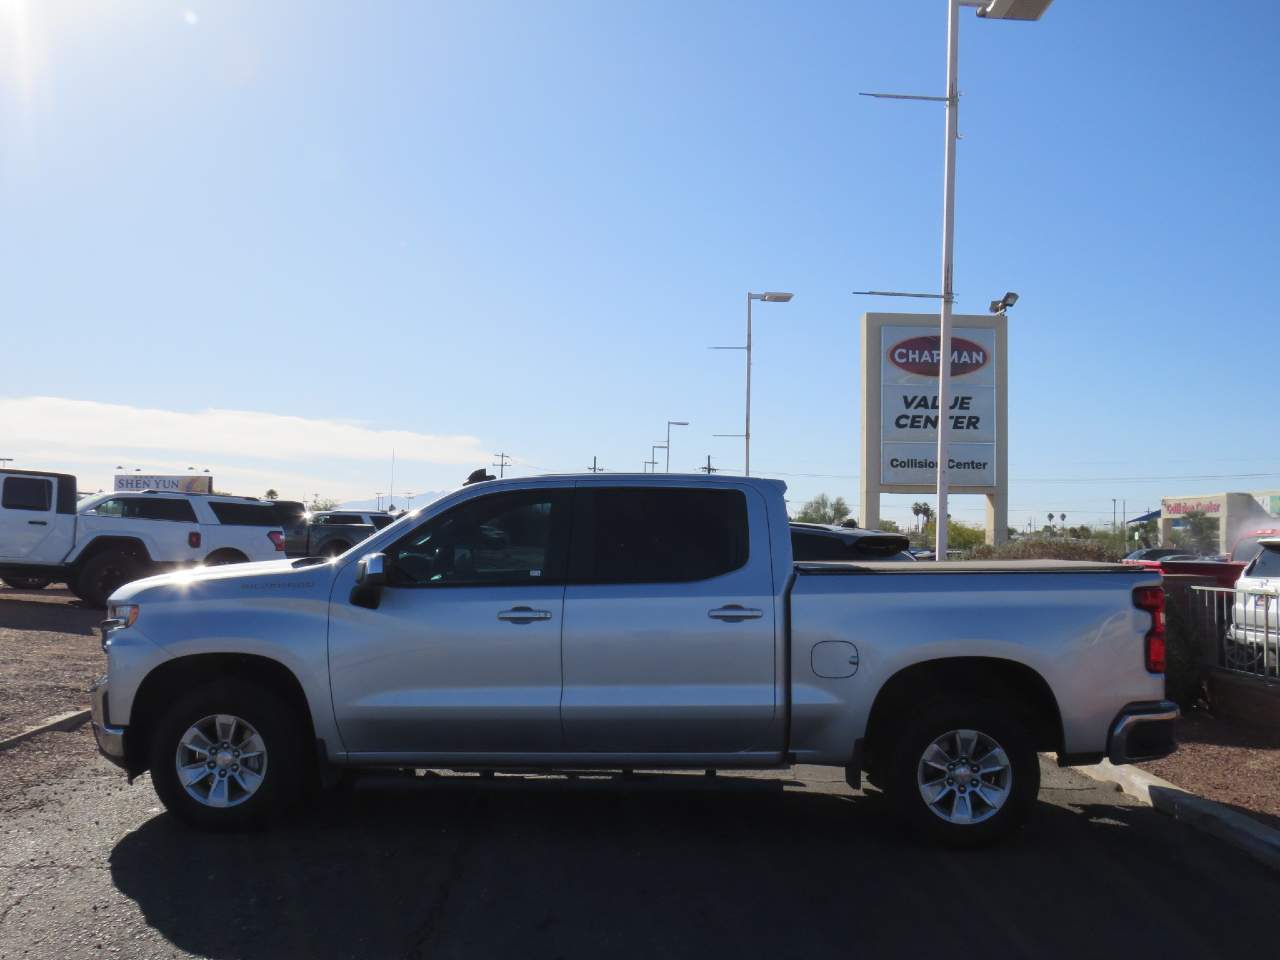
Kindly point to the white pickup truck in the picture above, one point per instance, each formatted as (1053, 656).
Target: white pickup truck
(629, 621)
(96, 544)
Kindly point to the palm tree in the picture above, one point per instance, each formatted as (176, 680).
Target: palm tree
(917, 508)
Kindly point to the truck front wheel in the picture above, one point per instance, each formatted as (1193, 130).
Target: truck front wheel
(227, 756)
(965, 774)
(104, 574)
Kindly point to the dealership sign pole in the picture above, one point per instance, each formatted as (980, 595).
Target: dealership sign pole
(995, 10)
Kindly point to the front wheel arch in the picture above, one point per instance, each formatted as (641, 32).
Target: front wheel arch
(158, 689)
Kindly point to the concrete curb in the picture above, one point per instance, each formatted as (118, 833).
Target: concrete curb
(1256, 840)
(63, 721)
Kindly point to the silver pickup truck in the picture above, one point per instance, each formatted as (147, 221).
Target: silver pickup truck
(629, 621)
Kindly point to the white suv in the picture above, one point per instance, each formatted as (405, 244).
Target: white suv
(1254, 635)
(107, 540)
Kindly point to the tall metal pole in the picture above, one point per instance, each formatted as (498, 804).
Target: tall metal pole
(746, 435)
(948, 248)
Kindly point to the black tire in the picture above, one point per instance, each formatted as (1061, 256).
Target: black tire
(283, 773)
(104, 574)
(26, 583)
(1007, 728)
(222, 557)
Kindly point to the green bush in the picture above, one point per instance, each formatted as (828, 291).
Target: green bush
(1047, 549)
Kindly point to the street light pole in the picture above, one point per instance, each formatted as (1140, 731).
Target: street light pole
(768, 297)
(948, 292)
(670, 424)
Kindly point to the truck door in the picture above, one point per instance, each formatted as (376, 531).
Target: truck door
(669, 625)
(462, 655)
(32, 530)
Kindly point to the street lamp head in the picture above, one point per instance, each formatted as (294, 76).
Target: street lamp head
(1012, 9)
(677, 423)
(999, 307)
(773, 297)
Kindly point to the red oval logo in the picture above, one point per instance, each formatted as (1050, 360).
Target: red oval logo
(920, 355)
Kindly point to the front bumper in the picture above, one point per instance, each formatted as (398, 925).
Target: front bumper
(110, 739)
(1143, 731)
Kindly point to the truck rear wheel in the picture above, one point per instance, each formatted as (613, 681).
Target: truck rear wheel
(965, 774)
(104, 574)
(227, 756)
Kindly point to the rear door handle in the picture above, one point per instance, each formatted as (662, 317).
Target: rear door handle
(523, 615)
(735, 613)
(38, 523)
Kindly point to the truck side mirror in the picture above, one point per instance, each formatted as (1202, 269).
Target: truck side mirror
(371, 570)
(371, 577)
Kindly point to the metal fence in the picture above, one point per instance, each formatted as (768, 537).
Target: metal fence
(1242, 625)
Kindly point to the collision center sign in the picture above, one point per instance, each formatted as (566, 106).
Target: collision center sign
(909, 408)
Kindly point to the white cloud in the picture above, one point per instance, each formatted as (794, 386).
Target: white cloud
(82, 426)
(247, 451)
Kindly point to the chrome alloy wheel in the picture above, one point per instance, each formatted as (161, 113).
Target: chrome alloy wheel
(221, 761)
(964, 777)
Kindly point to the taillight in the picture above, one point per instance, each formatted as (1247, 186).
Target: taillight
(277, 538)
(1151, 599)
(193, 539)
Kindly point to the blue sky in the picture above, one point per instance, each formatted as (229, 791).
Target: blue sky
(469, 227)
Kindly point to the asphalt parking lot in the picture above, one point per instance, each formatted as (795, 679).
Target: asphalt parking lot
(786, 863)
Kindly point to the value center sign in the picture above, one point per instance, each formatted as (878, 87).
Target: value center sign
(901, 408)
(909, 413)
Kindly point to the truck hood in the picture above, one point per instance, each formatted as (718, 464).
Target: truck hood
(264, 578)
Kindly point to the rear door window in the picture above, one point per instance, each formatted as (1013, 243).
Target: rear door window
(245, 514)
(657, 535)
(380, 521)
(27, 493)
(1267, 564)
(342, 519)
(160, 508)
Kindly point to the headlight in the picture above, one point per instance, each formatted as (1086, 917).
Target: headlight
(125, 613)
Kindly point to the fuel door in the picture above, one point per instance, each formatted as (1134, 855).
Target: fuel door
(834, 659)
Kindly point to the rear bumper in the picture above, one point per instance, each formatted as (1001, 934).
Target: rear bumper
(110, 739)
(1143, 731)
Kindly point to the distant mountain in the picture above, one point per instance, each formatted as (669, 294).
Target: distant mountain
(401, 503)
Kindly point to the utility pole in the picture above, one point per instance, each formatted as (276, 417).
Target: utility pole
(708, 469)
(504, 461)
(1113, 514)
(5, 461)
(379, 496)
(595, 467)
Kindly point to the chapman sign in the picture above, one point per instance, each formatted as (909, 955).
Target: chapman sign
(182, 483)
(901, 411)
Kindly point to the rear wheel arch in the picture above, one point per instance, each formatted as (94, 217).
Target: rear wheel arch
(161, 686)
(226, 555)
(963, 679)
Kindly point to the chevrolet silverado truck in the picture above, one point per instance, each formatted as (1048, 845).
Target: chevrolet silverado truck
(629, 621)
(95, 544)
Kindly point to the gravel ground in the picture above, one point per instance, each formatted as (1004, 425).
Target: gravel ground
(50, 652)
(1225, 762)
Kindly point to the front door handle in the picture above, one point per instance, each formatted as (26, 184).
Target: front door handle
(523, 615)
(735, 613)
(38, 523)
